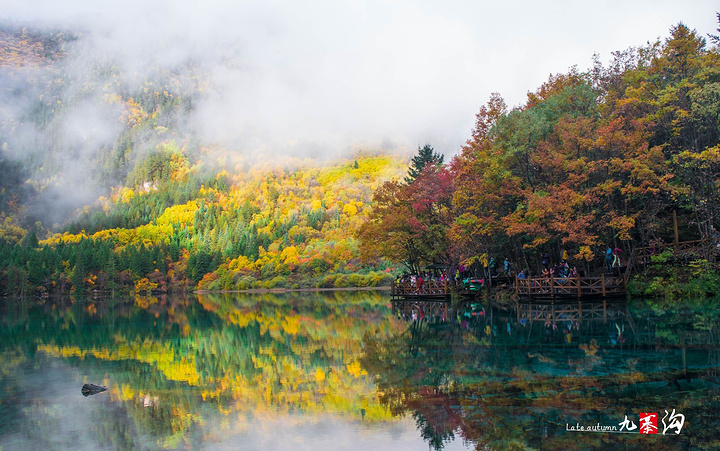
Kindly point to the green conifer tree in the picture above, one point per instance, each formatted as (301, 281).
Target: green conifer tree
(426, 155)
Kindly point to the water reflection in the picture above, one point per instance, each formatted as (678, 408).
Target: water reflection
(188, 371)
(520, 378)
(343, 370)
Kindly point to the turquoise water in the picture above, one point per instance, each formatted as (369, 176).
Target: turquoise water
(344, 370)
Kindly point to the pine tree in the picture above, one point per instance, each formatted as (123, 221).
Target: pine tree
(111, 273)
(77, 279)
(30, 241)
(425, 156)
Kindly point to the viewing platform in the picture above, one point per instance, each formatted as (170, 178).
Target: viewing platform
(604, 286)
(539, 288)
(431, 289)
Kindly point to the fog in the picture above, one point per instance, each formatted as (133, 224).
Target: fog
(321, 79)
(330, 74)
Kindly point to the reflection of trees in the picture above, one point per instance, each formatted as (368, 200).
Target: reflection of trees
(479, 383)
(115, 428)
(427, 372)
(514, 390)
(172, 364)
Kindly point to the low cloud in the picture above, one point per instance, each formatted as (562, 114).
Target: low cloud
(315, 79)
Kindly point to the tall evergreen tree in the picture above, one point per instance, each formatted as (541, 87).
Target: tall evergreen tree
(77, 279)
(426, 155)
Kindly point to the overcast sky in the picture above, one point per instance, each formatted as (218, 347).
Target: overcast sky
(338, 73)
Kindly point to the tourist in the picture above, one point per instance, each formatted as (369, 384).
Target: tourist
(616, 257)
(546, 260)
(573, 272)
(563, 269)
(609, 259)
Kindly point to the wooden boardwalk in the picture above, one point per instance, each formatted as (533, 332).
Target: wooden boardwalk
(431, 289)
(551, 288)
(571, 287)
(643, 255)
(534, 288)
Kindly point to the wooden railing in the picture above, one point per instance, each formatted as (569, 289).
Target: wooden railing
(550, 287)
(642, 254)
(579, 287)
(429, 288)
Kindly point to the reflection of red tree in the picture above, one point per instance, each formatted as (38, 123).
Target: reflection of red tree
(438, 415)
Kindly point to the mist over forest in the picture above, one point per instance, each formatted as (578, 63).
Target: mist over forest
(475, 160)
(86, 95)
(76, 117)
(247, 148)
(89, 89)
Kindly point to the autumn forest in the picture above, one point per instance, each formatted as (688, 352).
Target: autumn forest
(604, 157)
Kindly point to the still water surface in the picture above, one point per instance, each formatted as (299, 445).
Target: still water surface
(316, 371)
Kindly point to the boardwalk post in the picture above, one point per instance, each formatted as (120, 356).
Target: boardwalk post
(602, 281)
(579, 286)
(552, 287)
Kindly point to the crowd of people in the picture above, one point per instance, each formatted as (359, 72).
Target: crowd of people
(489, 268)
(418, 283)
(561, 270)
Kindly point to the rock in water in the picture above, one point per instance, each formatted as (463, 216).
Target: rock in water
(92, 389)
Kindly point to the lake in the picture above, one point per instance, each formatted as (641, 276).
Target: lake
(348, 370)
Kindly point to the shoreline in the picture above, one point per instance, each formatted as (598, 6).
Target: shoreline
(291, 290)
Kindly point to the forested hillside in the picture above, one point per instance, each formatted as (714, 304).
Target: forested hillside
(596, 159)
(260, 229)
(105, 187)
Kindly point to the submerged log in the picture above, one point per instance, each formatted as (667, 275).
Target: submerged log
(92, 389)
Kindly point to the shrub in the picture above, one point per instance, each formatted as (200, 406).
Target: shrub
(245, 283)
(277, 282)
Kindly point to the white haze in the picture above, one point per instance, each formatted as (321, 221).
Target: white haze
(321, 78)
